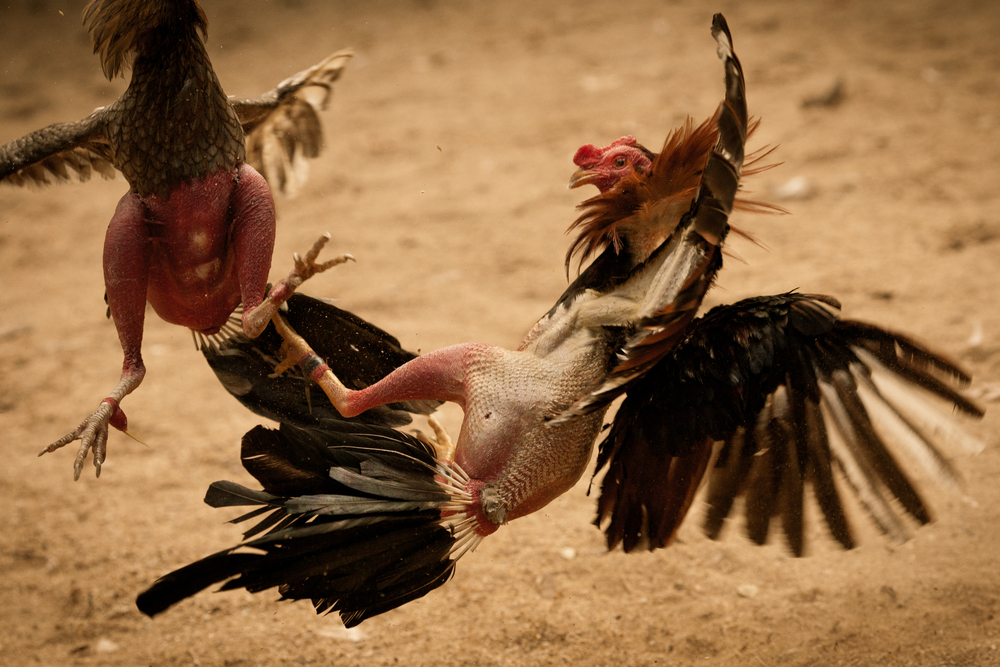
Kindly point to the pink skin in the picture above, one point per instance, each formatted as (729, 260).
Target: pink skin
(605, 167)
(504, 416)
(441, 376)
(194, 257)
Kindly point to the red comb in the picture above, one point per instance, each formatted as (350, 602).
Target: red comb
(589, 155)
(627, 140)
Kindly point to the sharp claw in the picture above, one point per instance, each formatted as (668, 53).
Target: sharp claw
(93, 437)
(98, 461)
(80, 458)
(305, 268)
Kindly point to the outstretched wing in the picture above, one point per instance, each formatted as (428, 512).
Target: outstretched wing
(59, 152)
(282, 126)
(351, 520)
(662, 295)
(357, 351)
(791, 395)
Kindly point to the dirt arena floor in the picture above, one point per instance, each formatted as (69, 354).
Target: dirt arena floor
(448, 149)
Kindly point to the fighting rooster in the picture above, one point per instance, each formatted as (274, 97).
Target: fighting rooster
(772, 395)
(194, 234)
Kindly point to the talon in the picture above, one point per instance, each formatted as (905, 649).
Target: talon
(93, 431)
(443, 443)
(255, 320)
(287, 361)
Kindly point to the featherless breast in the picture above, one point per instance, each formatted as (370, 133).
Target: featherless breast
(505, 439)
(194, 235)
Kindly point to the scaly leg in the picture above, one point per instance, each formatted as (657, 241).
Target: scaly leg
(93, 431)
(126, 270)
(298, 352)
(255, 320)
(437, 376)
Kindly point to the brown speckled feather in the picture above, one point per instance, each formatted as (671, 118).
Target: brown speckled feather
(174, 123)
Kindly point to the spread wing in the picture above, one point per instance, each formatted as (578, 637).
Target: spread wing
(664, 292)
(282, 126)
(794, 398)
(357, 351)
(59, 152)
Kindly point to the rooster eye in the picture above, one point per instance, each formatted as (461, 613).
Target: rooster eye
(620, 161)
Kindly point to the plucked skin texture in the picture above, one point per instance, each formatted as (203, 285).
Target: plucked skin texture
(747, 397)
(194, 234)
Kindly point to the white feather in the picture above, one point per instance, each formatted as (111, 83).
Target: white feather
(916, 407)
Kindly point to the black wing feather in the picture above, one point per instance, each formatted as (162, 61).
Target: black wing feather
(753, 376)
(59, 152)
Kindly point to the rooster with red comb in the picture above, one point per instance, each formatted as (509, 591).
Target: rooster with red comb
(766, 399)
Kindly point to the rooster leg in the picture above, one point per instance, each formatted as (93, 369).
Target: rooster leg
(298, 352)
(252, 234)
(93, 431)
(256, 319)
(438, 376)
(126, 270)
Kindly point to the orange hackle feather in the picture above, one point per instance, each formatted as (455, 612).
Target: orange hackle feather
(663, 193)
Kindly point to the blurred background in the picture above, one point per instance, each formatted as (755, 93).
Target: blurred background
(449, 142)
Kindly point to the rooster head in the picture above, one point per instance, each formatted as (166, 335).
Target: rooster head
(604, 167)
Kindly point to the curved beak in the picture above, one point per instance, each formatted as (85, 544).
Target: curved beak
(582, 176)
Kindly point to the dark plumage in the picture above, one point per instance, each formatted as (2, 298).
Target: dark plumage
(778, 390)
(351, 519)
(355, 348)
(753, 380)
(194, 235)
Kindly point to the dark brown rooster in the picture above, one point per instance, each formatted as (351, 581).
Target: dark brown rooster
(764, 398)
(194, 234)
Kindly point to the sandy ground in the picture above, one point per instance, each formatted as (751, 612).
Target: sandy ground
(448, 149)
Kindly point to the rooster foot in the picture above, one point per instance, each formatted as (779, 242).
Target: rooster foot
(93, 435)
(305, 268)
(442, 443)
(297, 352)
(256, 320)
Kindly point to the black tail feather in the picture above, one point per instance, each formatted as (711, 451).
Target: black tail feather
(357, 527)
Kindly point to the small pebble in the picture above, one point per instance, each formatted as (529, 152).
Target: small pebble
(105, 645)
(798, 188)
